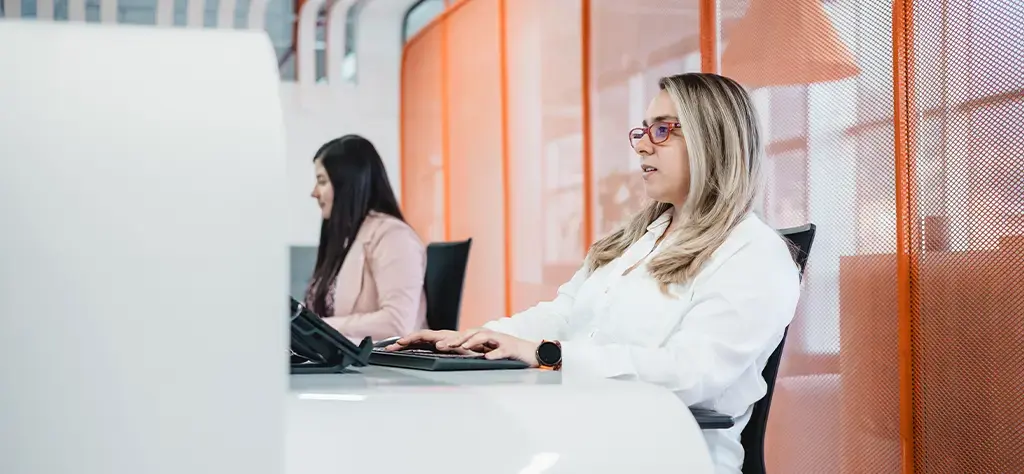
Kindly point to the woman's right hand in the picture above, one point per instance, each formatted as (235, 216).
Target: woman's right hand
(445, 340)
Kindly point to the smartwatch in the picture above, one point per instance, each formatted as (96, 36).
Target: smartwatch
(549, 355)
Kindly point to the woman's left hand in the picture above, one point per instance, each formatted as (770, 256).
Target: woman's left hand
(496, 345)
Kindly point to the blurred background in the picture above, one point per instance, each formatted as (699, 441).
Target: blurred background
(893, 126)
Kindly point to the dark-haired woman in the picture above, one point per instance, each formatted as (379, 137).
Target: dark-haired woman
(368, 279)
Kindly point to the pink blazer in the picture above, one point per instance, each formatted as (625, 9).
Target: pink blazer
(379, 288)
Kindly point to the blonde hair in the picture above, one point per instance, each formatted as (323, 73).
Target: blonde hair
(720, 128)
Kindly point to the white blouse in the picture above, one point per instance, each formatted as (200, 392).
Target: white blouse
(707, 341)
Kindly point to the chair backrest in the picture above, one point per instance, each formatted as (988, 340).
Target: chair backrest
(800, 240)
(752, 438)
(446, 273)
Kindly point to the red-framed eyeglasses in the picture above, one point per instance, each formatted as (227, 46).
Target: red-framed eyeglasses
(658, 132)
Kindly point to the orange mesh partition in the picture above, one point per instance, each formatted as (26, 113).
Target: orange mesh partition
(633, 44)
(421, 122)
(475, 154)
(545, 126)
(968, 314)
(821, 76)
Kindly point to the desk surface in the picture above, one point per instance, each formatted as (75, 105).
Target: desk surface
(499, 421)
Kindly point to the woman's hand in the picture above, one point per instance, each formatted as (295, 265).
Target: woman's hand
(496, 345)
(441, 340)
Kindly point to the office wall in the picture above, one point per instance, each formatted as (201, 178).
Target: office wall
(317, 103)
(905, 353)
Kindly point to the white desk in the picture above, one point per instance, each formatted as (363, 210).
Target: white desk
(515, 421)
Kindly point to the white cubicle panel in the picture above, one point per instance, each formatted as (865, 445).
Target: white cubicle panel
(378, 419)
(142, 251)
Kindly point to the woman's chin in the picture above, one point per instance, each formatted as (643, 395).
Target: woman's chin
(653, 193)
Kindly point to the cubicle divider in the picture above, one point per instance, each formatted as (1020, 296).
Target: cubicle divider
(889, 125)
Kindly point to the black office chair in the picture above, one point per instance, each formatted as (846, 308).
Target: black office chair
(752, 438)
(446, 273)
(800, 240)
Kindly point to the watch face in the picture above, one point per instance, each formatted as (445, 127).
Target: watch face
(549, 353)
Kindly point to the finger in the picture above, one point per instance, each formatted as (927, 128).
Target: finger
(459, 350)
(408, 339)
(452, 350)
(458, 338)
(425, 335)
(499, 353)
(481, 340)
(487, 346)
(478, 339)
(481, 348)
(399, 347)
(455, 339)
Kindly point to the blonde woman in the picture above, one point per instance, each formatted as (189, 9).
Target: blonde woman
(694, 293)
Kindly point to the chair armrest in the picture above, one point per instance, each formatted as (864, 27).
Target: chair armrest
(711, 420)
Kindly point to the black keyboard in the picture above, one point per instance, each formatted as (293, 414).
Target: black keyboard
(433, 360)
(429, 353)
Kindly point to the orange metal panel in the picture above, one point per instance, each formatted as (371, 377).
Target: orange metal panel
(421, 136)
(709, 36)
(474, 150)
(587, 155)
(446, 131)
(546, 129)
(506, 191)
(906, 250)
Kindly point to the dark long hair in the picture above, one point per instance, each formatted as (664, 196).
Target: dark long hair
(361, 185)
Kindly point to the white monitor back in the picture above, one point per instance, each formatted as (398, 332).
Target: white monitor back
(143, 259)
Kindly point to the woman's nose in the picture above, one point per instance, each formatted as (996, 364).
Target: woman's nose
(643, 147)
